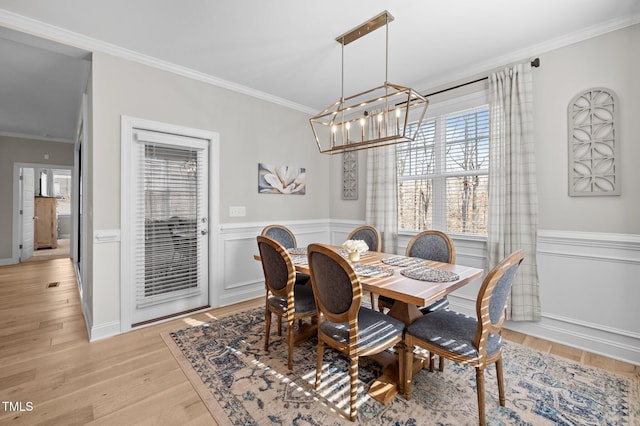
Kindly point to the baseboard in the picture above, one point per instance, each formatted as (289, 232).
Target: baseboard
(104, 330)
(8, 261)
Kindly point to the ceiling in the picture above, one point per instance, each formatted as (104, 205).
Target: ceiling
(284, 50)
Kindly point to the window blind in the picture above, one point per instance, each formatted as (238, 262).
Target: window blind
(443, 174)
(168, 254)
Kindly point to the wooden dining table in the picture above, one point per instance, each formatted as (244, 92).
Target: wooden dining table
(409, 294)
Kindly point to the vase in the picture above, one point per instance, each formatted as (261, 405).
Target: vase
(354, 256)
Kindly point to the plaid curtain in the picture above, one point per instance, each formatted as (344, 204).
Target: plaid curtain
(513, 199)
(381, 209)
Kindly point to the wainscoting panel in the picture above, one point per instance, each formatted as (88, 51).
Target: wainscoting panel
(589, 291)
(242, 276)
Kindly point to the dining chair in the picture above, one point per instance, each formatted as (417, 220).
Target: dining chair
(347, 326)
(287, 239)
(428, 245)
(469, 341)
(371, 236)
(283, 297)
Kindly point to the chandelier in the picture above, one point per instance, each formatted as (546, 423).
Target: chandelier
(375, 117)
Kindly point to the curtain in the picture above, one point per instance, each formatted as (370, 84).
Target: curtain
(382, 195)
(513, 204)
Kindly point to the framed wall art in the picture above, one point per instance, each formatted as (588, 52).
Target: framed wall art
(281, 179)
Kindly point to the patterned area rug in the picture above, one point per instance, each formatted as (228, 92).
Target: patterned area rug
(241, 384)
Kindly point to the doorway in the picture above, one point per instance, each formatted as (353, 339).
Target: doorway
(42, 182)
(167, 204)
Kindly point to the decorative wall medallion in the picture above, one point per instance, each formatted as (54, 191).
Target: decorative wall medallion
(350, 175)
(592, 119)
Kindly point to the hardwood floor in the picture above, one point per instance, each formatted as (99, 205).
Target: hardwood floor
(49, 369)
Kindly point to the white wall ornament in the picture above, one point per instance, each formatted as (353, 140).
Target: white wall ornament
(350, 175)
(593, 147)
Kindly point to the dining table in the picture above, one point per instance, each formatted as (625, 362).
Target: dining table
(407, 281)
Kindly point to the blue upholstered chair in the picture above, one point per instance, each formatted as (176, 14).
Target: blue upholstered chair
(281, 234)
(428, 245)
(283, 297)
(346, 326)
(285, 237)
(466, 340)
(371, 236)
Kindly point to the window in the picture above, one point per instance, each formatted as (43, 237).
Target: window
(443, 174)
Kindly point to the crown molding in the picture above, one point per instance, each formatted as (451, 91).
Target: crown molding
(34, 137)
(530, 52)
(38, 28)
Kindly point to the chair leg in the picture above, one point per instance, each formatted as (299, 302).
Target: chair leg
(408, 370)
(480, 392)
(279, 325)
(401, 350)
(500, 376)
(267, 326)
(441, 366)
(319, 363)
(373, 305)
(353, 388)
(432, 361)
(290, 343)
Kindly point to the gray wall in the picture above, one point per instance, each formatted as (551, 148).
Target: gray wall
(17, 150)
(610, 61)
(251, 131)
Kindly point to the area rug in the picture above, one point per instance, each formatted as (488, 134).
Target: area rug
(241, 384)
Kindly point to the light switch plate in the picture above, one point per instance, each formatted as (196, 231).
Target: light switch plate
(237, 211)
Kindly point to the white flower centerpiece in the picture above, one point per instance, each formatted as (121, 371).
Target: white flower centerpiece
(354, 248)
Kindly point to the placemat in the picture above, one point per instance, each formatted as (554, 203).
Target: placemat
(297, 250)
(402, 261)
(427, 273)
(367, 270)
(300, 259)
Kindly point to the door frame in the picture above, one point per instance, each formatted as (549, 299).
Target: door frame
(128, 124)
(17, 197)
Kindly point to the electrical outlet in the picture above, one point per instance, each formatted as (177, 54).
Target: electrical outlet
(237, 211)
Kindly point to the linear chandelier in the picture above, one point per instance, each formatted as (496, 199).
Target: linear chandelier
(375, 117)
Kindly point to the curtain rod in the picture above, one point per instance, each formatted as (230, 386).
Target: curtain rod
(535, 64)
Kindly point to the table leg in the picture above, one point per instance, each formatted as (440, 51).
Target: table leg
(405, 312)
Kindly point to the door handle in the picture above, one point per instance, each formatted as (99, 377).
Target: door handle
(204, 231)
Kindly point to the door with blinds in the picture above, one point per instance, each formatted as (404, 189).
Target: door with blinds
(169, 217)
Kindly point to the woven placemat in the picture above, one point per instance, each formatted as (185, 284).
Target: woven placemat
(297, 250)
(427, 273)
(300, 259)
(402, 261)
(366, 270)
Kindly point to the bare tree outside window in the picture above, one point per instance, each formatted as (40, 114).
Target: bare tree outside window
(443, 175)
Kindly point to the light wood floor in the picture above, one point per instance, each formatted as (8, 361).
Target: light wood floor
(47, 360)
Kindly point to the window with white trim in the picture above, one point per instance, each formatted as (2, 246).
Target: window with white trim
(443, 174)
